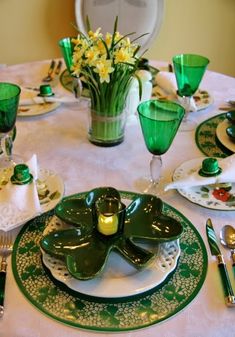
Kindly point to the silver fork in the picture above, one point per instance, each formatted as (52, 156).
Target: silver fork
(6, 246)
(49, 77)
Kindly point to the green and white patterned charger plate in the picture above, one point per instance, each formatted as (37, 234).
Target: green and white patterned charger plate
(206, 138)
(117, 314)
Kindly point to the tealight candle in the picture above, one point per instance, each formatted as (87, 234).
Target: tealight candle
(108, 225)
(109, 215)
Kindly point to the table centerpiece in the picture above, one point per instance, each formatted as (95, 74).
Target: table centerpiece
(107, 64)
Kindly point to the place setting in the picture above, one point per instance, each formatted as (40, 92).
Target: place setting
(40, 97)
(26, 189)
(208, 182)
(165, 276)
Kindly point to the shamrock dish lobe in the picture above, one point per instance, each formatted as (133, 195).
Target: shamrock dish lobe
(101, 222)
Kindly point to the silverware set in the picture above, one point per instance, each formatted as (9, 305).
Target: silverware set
(53, 71)
(6, 246)
(215, 251)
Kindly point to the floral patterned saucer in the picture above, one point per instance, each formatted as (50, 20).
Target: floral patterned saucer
(77, 310)
(209, 196)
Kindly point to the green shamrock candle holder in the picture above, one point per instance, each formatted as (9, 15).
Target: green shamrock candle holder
(101, 222)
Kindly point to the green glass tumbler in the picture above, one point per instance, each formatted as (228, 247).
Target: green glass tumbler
(189, 70)
(160, 121)
(9, 102)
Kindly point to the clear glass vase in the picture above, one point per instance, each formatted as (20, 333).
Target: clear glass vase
(106, 128)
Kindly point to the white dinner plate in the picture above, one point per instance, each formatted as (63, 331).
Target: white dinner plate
(207, 196)
(50, 189)
(138, 16)
(36, 109)
(119, 278)
(223, 137)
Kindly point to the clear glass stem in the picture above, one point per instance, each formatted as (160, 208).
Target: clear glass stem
(155, 169)
(187, 124)
(187, 108)
(8, 146)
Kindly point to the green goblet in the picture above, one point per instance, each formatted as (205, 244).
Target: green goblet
(9, 101)
(189, 70)
(67, 47)
(159, 122)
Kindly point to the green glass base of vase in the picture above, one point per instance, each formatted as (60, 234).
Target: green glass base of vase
(106, 143)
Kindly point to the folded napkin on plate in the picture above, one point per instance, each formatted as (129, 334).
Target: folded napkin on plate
(167, 87)
(30, 97)
(194, 179)
(18, 203)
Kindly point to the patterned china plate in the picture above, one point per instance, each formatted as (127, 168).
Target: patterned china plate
(119, 281)
(223, 137)
(207, 196)
(37, 109)
(50, 189)
(206, 138)
(71, 308)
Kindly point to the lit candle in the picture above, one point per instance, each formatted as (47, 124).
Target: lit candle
(108, 224)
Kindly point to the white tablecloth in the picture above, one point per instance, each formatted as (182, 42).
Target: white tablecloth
(60, 141)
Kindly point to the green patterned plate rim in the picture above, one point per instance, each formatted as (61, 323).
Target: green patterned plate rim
(77, 310)
(206, 138)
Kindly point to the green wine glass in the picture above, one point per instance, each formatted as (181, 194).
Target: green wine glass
(189, 70)
(159, 122)
(9, 101)
(67, 48)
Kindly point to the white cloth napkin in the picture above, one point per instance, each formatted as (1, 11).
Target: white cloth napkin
(18, 203)
(133, 99)
(30, 97)
(167, 87)
(194, 179)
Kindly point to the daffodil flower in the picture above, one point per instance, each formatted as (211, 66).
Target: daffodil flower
(123, 56)
(95, 35)
(104, 68)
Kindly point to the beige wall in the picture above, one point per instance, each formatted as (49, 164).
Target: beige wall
(30, 30)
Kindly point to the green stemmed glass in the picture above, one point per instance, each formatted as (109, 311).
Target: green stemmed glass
(159, 122)
(67, 47)
(9, 101)
(189, 70)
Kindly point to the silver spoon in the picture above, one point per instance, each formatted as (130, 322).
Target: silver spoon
(227, 238)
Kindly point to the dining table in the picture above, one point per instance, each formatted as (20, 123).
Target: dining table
(59, 138)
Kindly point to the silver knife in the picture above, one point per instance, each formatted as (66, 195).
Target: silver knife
(215, 251)
(56, 76)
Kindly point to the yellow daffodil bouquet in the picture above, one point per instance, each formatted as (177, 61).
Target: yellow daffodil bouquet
(107, 64)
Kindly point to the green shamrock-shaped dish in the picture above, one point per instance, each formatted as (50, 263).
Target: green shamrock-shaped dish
(85, 249)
